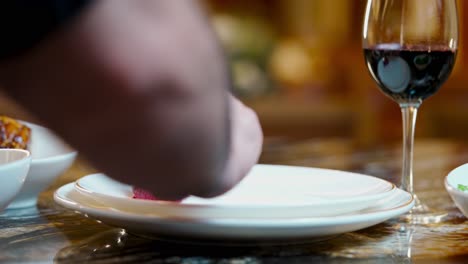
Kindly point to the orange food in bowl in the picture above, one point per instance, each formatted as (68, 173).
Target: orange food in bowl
(13, 134)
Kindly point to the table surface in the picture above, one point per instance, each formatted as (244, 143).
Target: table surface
(50, 233)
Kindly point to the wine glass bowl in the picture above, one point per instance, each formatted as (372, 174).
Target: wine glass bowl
(410, 48)
(409, 75)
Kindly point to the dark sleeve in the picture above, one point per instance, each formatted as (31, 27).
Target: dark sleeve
(24, 23)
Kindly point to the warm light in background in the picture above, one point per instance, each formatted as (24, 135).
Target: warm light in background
(299, 63)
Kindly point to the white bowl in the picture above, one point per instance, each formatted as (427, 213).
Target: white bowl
(14, 167)
(50, 158)
(455, 177)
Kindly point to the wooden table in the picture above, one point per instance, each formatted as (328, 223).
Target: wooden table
(49, 233)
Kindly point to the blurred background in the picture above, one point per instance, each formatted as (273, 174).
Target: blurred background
(299, 64)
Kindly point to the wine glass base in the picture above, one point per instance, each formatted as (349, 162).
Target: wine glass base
(422, 214)
(425, 218)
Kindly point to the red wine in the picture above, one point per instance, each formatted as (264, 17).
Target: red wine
(409, 74)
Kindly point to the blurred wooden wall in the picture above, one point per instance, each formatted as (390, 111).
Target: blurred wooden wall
(303, 62)
(321, 87)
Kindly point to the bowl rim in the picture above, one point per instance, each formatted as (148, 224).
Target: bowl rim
(15, 162)
(51, 159)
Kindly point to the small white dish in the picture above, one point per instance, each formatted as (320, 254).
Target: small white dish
(269, 229)
(14, 167)
(50, 158)
(267, 191)
(460, 198)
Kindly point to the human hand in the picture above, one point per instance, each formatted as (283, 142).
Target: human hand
(246, 143)
(245, 148)
(140, 88)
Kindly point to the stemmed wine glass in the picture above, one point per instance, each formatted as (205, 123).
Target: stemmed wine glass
(410, 48)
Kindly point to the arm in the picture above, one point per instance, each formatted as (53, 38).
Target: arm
(141, 89)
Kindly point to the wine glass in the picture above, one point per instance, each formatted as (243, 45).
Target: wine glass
(410, 48)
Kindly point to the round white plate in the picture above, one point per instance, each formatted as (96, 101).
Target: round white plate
(267, 191)
(244, 229)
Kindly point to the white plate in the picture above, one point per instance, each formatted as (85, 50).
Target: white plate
(268, 191)
(244, 229)
(50, 158)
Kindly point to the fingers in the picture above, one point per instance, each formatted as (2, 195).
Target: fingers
(246, 144)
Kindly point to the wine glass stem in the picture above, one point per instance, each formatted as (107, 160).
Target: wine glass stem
(409, 112)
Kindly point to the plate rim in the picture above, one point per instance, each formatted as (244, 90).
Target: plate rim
(236, 222)
(161, 204)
